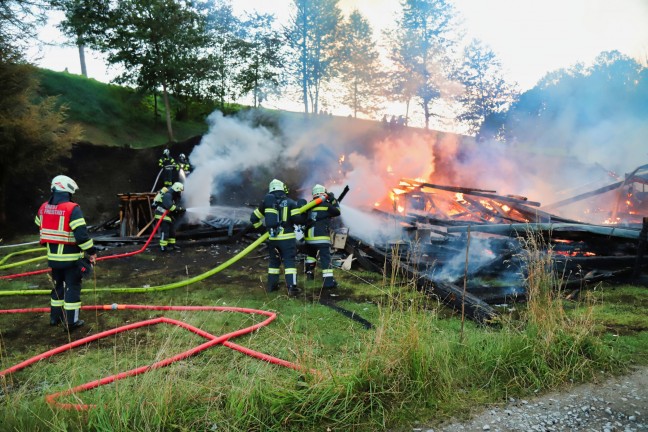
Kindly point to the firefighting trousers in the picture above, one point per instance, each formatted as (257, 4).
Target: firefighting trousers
(65, 302)
(324, 252)
(167, 233)
(282, 251)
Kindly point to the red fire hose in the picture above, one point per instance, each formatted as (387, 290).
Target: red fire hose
(122, 255)
(211, 341)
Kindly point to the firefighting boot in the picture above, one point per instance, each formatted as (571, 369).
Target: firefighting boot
(329, 283)
(293, 291)
(72, 320)
(56, 315)
(273, 283)
(310, 271)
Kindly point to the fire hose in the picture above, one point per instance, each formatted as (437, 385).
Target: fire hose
(165, 287)
(212, 340)
(52, 399)
(103, 258)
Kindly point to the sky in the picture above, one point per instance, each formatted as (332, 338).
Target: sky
(531, 37)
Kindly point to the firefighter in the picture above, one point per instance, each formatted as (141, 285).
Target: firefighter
(280, 215)
(169, 168)
(157, 200)
(317, 236)
(184, 165)
(169, 201)
(70, 250)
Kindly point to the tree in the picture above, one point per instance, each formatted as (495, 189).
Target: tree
(312, 37)
(225, 47)
(420, 49)
(360, 65)
(158, 43)
(83, 22)
(33, 131)
(582, 108)
(485, 91)
(263, 58)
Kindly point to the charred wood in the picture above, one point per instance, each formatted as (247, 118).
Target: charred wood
(641, 248)
(477, 192)
(449, 294)
(523, 229)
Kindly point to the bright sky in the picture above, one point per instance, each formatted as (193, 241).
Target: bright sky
(531, 37)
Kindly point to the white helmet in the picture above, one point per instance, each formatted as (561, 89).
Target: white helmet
(277, 185)
(166, 152)
(177, 187)
(63, 183)
(318, 189)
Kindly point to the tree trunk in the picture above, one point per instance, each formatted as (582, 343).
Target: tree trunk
(84, 70)
(155, 107)
(168, 111)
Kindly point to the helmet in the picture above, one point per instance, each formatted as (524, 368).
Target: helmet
(177, 187)
(166, 153)
(62, 183)
(276, 185)
(182, 157)
(318, 189)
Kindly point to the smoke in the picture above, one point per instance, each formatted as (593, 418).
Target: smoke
(238, 153)
(231, 146)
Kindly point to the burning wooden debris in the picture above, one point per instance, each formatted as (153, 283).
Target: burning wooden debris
(454, 234)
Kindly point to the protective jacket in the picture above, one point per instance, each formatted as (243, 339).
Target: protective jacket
(157, 200)
(318, 222)
(168, 202)
(280, 215)
(186, 167)
(63, 229)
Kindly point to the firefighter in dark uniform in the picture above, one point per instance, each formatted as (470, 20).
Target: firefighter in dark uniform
(318, 237)
(184, 165)
(170, 200)
(169, 168)
(280, 215)
(70, 251)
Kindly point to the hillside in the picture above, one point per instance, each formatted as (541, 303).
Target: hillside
(120, 116)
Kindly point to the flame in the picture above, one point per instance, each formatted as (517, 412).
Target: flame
(506, 208)
(341, 159)
(486, 204)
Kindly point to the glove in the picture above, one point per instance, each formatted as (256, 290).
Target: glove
(330, 196)
(86, 266)
(91, 258)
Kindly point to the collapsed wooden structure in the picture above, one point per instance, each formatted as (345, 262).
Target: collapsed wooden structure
(453, 235)
(466, 245)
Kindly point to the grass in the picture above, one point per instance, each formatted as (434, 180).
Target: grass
(118, 116)
(411, 365)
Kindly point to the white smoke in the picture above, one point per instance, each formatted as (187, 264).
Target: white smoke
(230, 146)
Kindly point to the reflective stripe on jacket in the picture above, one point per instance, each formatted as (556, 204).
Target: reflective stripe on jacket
(55, 226)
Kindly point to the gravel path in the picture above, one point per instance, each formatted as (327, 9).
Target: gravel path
(618, 404)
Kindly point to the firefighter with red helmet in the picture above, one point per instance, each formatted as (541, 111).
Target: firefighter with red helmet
(170, 203)
(317, 236)
(280, 214)
(70, 250)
